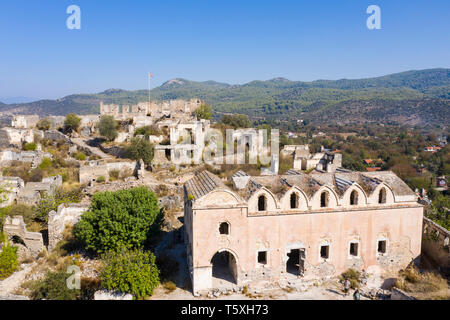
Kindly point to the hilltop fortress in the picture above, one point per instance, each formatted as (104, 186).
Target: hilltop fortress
(165, 109)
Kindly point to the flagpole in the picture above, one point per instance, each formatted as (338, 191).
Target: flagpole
(149, 103)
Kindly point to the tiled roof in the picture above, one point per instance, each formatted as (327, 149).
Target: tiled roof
(202, 183)
(205, 182)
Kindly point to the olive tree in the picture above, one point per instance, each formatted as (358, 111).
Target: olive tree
(72, 122)
(107, 127)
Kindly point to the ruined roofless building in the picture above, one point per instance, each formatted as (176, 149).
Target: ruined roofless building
(155, 110)
(298, 227)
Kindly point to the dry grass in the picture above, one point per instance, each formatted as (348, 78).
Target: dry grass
(169, 286)
(426, 285)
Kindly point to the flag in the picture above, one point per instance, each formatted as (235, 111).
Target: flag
(150, 75)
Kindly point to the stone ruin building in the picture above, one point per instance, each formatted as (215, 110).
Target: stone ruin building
(29, 193)
(297, 227)
(304, 160)
(167, 109)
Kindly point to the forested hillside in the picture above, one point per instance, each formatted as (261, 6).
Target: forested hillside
(412, 97)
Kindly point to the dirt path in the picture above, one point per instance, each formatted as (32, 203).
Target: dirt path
(96, 151)
(10, 284)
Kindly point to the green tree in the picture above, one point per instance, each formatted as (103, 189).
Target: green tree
(108, 127)
(130, 271)
(203, 112)
(72, 122)
(140, 148)
(44, 124)
(237, 121)
(125, 218)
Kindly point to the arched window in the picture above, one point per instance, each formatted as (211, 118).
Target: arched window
(294, 200)
(382, 196)
(262, 203)
(324, 199)
(354, 198)
(224, 228)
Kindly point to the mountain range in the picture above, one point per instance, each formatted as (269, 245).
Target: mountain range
(418, 97)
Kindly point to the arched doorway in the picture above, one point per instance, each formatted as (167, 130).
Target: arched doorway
(224, 268)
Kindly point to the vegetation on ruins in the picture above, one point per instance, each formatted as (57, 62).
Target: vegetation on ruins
(423, 285)
(30, 146)
(140, 149)
(44, 124)
(72, 122)
(51, 202)
(80, 156)
(53, 287)
(237, 121)
(147, 131)
(353, 276)
(204, 112)
(131, 271)
(121, 219)
(8, 260)
(107, 127)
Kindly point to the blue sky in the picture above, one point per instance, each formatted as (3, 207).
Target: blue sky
(228, 41)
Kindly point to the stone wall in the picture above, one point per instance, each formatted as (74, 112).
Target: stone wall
(56, 136)
(95, 169)
(24, 122)
(66, 215)
(148, 110)
(12, 186)
(15, 229)
(33, 157)
(31, 194)
(12, 137)
(398, 294)
(435, 243)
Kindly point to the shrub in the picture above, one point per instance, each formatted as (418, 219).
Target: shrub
(125, 218)
(107, 127)
(353, 276)
(130, 271)
(44, 124)
(101, 179)
(22, 210)
(72, 122)
(54, 287)
(114, 175)
(80, 156)
(412, 275)
(8, 261)
(140, 148)
(50, 203)
(170, 286)
(147, 131)
(203, 112)
(31, 146)
(45, 164)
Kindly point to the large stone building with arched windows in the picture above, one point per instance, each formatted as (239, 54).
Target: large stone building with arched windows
(298, 226)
